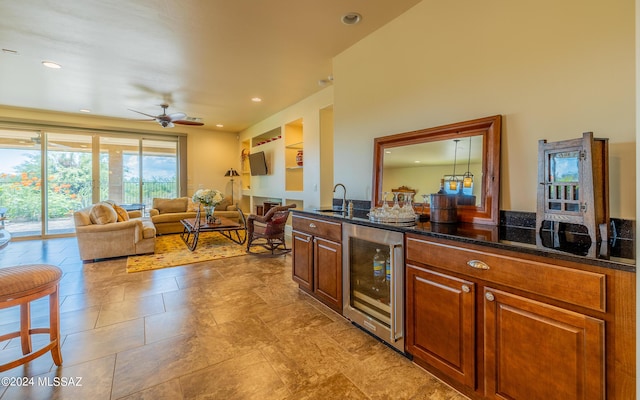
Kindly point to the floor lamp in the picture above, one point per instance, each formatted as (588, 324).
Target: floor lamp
(232, 173)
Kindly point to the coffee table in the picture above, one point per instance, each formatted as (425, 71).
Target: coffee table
(233, 230)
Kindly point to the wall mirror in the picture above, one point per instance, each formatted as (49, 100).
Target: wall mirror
(417, 161)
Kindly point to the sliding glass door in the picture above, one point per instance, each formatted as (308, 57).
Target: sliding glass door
(69, 179)
(46, 176)
(135, 170)
(159, 169)
(119, 169)
(21, 182)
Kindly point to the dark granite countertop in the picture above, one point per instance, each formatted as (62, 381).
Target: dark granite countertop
(569, 247)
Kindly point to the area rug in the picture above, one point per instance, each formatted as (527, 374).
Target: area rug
(171, 251)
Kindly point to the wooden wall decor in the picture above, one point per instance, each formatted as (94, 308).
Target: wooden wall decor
(574, 186)
(402, 191)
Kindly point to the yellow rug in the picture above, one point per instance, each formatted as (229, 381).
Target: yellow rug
(171, 251)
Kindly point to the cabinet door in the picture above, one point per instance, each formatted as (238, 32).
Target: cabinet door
(302, 264)
(441, 322)
(537, 351)
(328, 272)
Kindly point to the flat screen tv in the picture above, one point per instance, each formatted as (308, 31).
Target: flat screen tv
(258, 163)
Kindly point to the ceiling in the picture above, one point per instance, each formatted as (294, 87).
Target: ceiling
(207, 58)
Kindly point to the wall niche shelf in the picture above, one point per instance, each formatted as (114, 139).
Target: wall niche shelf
(267, 137)
(293, 148)
(285, 181)
(296, 146)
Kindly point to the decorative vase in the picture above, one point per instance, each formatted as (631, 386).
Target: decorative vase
(208, 211)
(299, 158)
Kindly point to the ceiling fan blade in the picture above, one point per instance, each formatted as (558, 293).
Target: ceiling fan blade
(177, 116)
(192, 122)
(148, 115)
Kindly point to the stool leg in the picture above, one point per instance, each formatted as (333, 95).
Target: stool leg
(54, 326)
(25, 326)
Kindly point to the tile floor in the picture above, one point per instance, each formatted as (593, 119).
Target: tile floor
(229, 329)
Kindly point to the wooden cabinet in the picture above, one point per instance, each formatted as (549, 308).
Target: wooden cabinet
(504, 325)
(327, 278)
(537, 351)
(441, 311)
(317, 258)
(302, 264)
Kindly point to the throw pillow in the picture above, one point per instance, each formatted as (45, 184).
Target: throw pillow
(170, 205)
(103, 213)
(123, 215)
(222, 206)
(193, 206)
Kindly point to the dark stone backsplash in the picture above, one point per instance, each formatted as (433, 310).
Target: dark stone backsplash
(520, 226)
(620, 228)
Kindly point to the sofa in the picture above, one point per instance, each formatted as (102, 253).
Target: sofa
(167, 213)
(105, 230)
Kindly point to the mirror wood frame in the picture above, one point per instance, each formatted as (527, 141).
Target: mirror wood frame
(489, 127)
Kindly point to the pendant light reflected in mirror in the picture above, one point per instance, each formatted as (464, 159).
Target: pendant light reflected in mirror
(467, 178)
(453, 183)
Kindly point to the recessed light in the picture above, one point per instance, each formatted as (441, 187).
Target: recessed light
(417, 161)
(51, 64)
(256, 99)
(387, 152)
(85, 110)
(351, 18)
(220, 125)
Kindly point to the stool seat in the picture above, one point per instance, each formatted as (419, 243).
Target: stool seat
(19, 286)
(22, 280)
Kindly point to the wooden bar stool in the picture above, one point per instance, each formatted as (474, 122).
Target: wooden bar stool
(20, 285)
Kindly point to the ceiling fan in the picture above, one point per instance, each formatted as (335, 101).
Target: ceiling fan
(168, 120)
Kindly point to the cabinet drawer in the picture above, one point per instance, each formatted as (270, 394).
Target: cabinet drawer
(317, 227)
(582, 288)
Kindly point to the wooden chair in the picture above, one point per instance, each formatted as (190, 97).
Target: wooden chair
(268, 230)
(19, 286)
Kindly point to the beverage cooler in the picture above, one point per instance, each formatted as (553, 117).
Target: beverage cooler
(373, 281)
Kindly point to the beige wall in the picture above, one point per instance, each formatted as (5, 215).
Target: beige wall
(210, 153)
(552, 69)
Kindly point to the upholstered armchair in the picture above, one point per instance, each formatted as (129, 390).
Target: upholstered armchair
(268, 230)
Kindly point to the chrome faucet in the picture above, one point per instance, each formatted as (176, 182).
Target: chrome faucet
(344, 195)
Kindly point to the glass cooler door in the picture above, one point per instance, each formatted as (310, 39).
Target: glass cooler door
(370, 289)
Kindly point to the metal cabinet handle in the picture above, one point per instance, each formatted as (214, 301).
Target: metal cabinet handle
(489, 296)
(312, 225)
(466, 289)
(477, 264)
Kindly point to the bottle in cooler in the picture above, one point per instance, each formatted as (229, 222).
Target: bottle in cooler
(378, 269)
